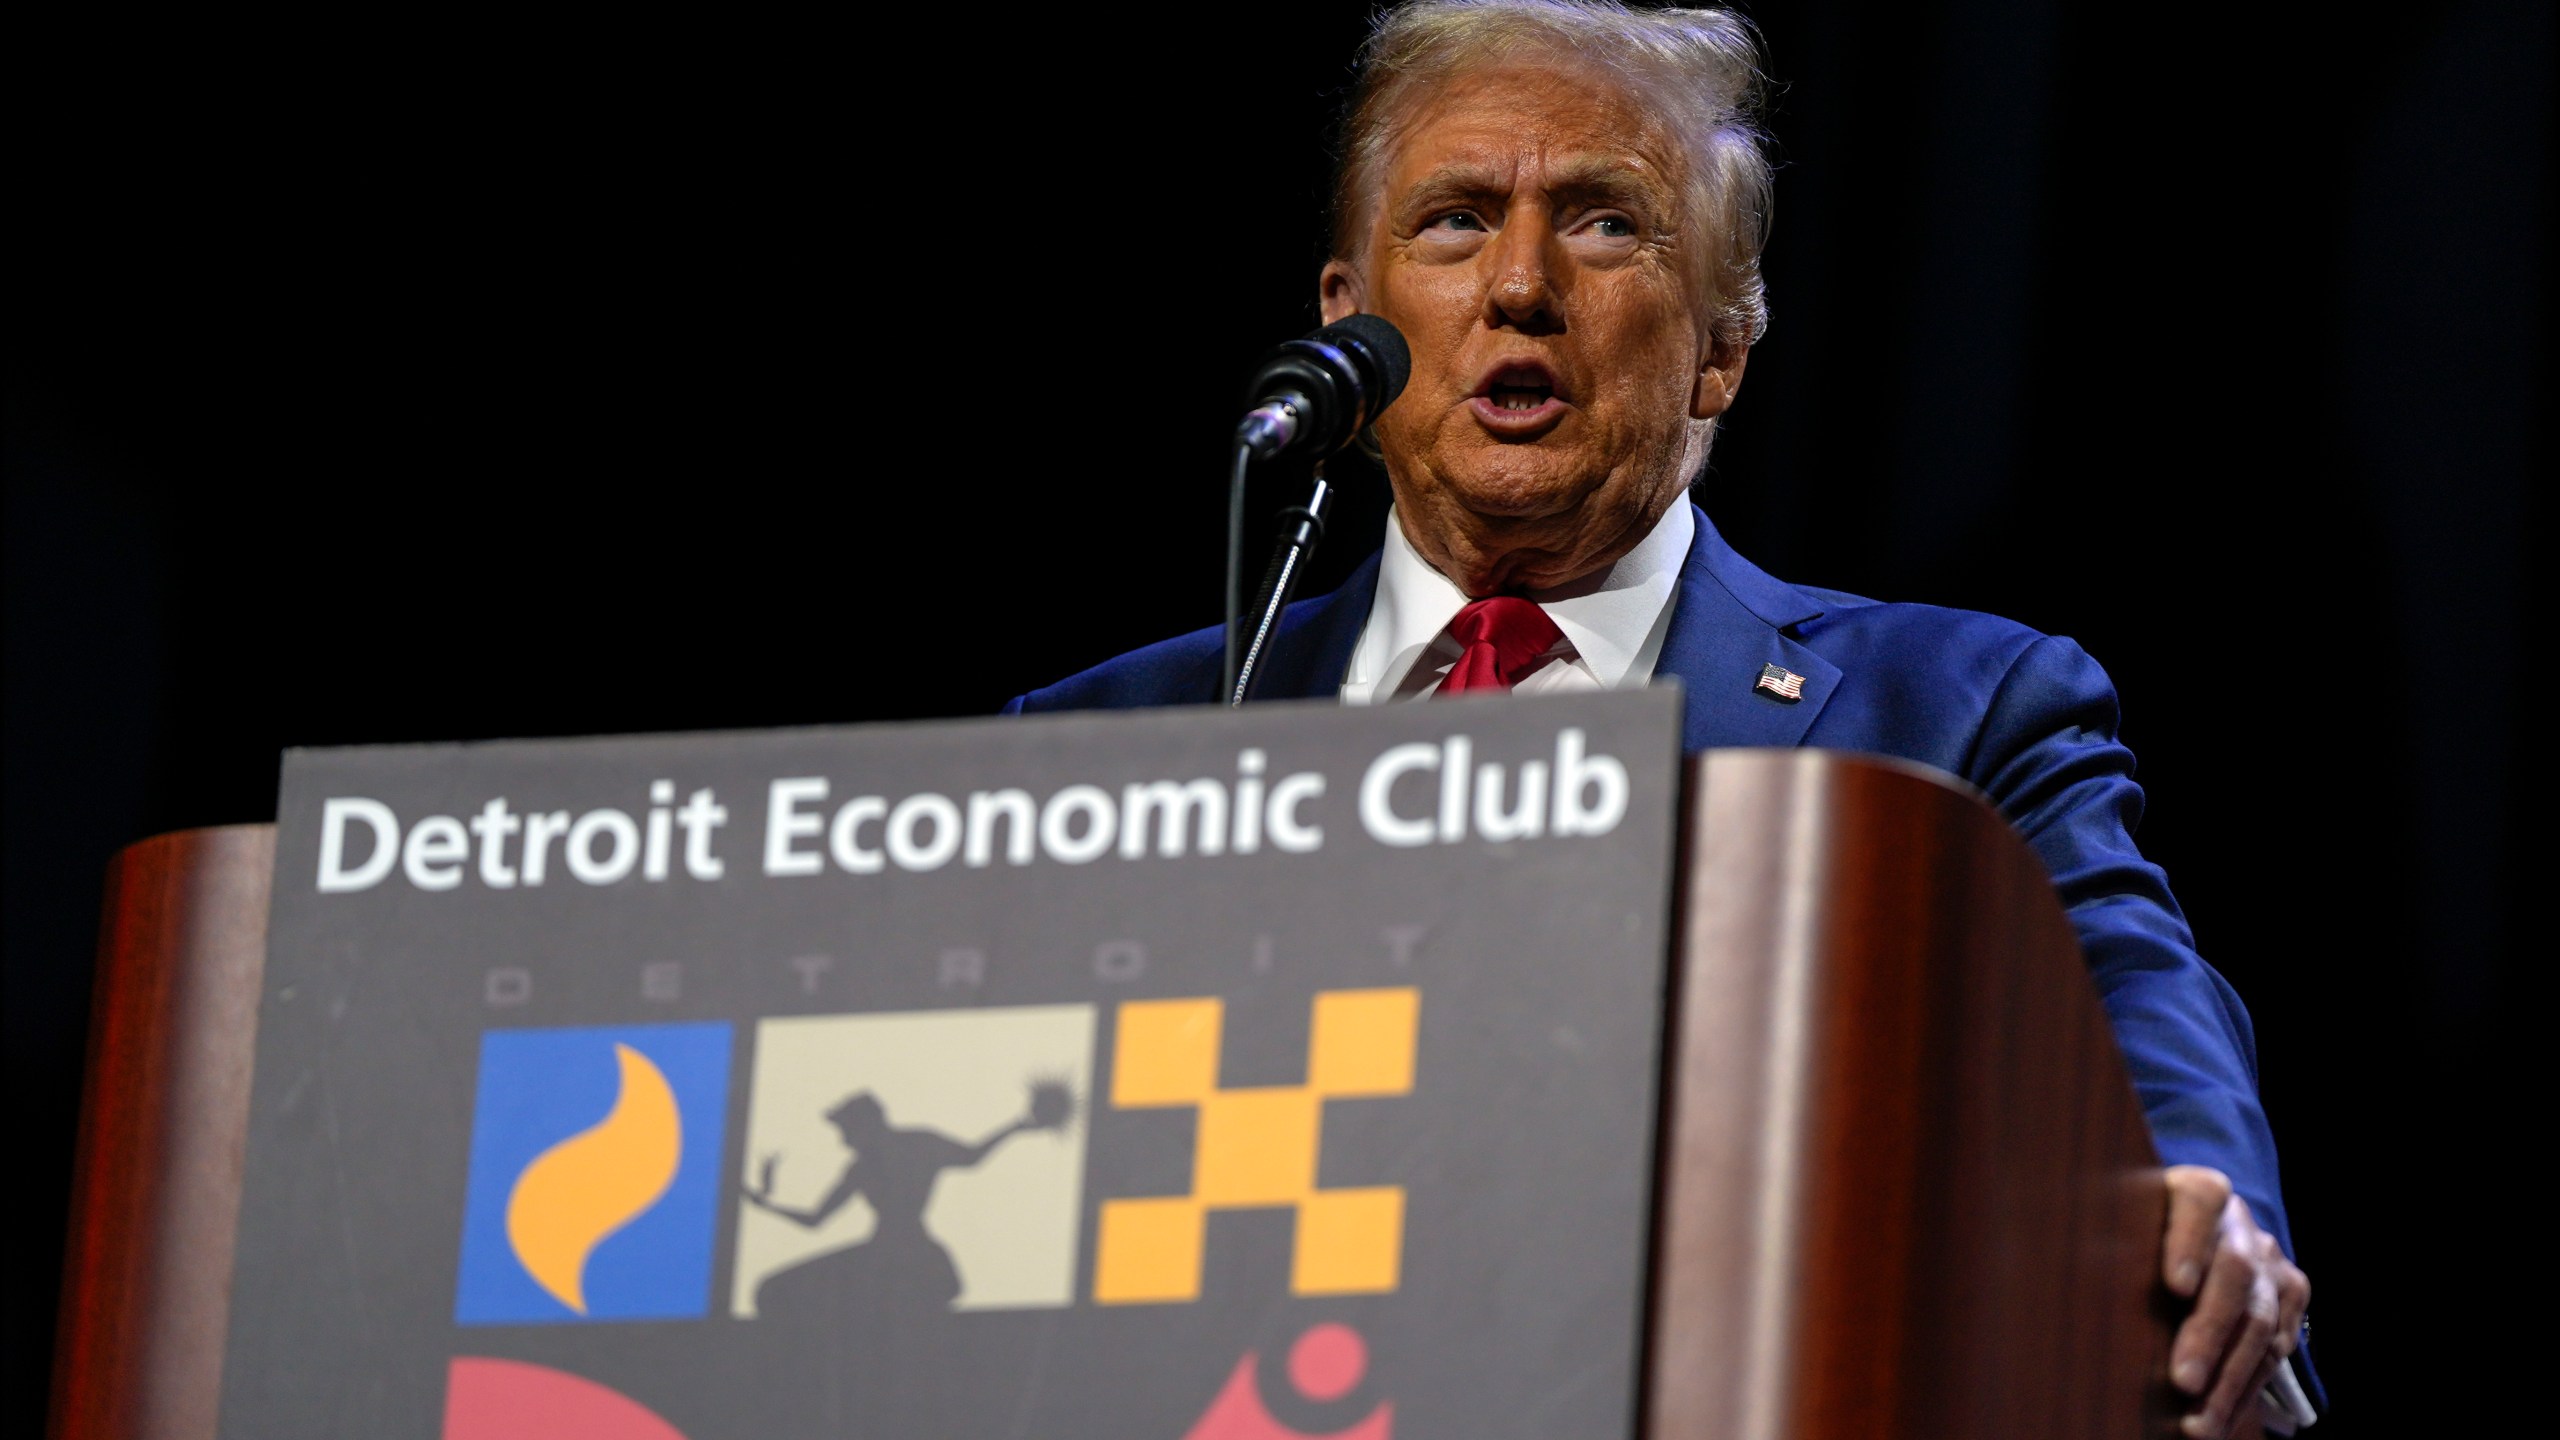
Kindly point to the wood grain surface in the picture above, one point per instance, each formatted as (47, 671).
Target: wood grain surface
(156, 1192)
(1906, 1189)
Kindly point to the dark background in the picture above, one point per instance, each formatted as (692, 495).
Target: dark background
(410, 380)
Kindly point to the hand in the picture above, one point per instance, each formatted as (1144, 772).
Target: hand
(1052, 1106)
(762, 1191)
(2248, 1299)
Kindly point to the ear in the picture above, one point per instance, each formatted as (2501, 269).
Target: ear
(1719, 378)
(1339, 292)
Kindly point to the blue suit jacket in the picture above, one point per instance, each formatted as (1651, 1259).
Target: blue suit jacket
(2030, 719)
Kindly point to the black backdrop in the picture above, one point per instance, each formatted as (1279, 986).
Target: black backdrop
(436, 379)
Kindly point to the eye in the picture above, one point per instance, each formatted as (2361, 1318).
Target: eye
(1616, 227)
(1456, 220)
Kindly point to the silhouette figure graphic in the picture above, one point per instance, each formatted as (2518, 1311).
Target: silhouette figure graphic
(902, 1267)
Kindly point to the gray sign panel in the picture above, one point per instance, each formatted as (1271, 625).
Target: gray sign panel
(1178, 1074)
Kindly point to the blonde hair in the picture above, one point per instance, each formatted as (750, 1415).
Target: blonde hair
(1699, 69)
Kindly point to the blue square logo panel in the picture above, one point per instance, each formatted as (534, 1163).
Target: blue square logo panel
(595, 1167)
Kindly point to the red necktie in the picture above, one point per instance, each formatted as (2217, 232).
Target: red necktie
(1505, 637)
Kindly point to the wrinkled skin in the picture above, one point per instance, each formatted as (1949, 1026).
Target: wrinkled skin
(1534, 214)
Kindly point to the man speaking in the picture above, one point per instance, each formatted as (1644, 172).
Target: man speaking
(1561, 205)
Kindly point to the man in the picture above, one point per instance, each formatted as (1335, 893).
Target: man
(1560, 203)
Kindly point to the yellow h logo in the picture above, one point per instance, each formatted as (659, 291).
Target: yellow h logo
(1257, 1147)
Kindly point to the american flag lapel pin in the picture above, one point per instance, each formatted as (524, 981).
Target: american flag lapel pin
(1780, 682)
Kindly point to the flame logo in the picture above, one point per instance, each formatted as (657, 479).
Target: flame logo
(583, 1189)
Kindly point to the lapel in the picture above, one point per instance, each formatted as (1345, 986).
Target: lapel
(1312, 652)
(1730, 619)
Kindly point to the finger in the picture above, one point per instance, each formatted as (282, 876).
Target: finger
(2252, 1396)
(2245, 1368)
(2293, 1301)
(2222, 1306)
(2197, 1198)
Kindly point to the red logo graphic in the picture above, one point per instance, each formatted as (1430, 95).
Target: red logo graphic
(1324, 1365)
(487, 1399)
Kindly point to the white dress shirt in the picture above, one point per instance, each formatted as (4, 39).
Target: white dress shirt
(1613, 622)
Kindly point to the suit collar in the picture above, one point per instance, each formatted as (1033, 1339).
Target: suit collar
(1767, 597)
(1731, 619)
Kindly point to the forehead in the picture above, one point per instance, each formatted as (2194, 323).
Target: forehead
(1533, 118)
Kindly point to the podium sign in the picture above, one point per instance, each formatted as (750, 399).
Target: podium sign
(1181, 1074)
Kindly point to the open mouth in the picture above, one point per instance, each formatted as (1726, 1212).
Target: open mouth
(1517, 396)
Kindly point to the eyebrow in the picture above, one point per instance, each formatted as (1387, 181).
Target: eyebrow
(1453, 182)
(1586, 178)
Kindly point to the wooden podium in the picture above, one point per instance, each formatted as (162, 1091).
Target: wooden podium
(1904, 1187)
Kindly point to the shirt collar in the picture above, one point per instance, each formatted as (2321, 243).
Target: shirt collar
(1613, 620)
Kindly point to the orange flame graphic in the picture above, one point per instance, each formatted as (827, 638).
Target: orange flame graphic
(583, 1189)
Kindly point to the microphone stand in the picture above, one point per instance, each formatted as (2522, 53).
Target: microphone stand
(1301, 531)
(1234, 599)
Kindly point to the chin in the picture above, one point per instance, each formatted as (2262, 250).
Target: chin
(1519, 482)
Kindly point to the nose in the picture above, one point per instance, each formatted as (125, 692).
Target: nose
(1522, 294)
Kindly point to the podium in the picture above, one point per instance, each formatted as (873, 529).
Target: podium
(1901, 1186)
(1906, 1189)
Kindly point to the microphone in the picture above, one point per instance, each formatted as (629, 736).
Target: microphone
(1312, 395)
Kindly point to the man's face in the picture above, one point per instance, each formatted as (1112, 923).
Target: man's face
(1530, 243)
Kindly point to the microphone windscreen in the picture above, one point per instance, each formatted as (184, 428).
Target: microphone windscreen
(1386, 349)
